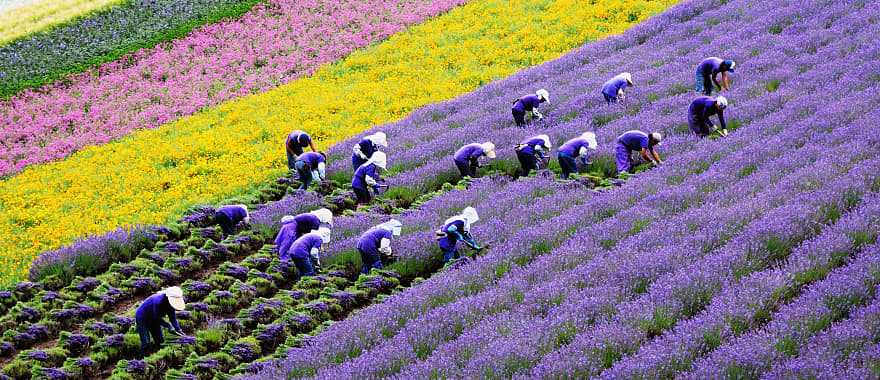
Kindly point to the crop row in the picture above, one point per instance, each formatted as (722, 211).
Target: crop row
(22, 18)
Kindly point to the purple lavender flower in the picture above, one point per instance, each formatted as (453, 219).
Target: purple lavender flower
(55, 373)
(244, 352)
(39, 331)
(198, 306)
(115, 340)
(237, 271)
(38, 355)
(123, 322)
(47, 297)
(101, 328)
(6, 349)
(138, 367)
(87, 284)
(84, 362)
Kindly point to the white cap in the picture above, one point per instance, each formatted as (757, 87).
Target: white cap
(174, 295)
(392, 225)
(379, 138)
(591, 139)
(489, 149)
(721, 102)
(378, 158)
(542, 93)
(546, 139)
(323, 233)
(323, 214)
(287, 219)
(470, 214)
(628, 77)
(657, 137)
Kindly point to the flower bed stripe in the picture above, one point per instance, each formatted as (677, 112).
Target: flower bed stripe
(18, 21)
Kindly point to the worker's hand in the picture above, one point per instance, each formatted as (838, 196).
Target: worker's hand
(724, 132)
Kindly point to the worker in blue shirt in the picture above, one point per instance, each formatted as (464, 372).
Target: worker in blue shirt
(293, 227)
(699, 112)
(364, 149)
(305, 252)
(455, 229)
(707, 75)
(375, 244)
(467, 158)
(576, 148)
(613, 89)
(529, 104)
(310, 166)
(532, 151)
(636, 141)
(367, 176)
(295, 145)
(229, 216)
(150, 316)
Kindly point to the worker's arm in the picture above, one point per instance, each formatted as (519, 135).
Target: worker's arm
(469, 240)
(656, 156)
(715, 80)
(645, 156)
(312, 145)
(453, 232)
(725, 81)
(721, 120)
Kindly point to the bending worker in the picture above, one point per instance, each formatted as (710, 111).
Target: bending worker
(707, 74)
(699, 112)
(612, 90)
(529, 103)
(531, 151)
(305, 251)
(467, 157)
(636, 141)
(368, 145)
(367, 176)
(293, 227)
(310, 166)
(150, 315)
(455, 229)
(577, 147)
(295, 144)
(229, 216)
(376, 243)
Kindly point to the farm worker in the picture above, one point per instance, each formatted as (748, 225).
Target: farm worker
(150, 315)
(531, 151)
(455, 229)
(636, 141)
(363, 150)
(366, 176)
(295, 144)
(467, 157)
(229, 216)
(707, 74)
(304, 252)
(309, 167)
(376, 243)
(612, 90)
(529, 103)
(292, 227)
(577, 147)
(700, 110)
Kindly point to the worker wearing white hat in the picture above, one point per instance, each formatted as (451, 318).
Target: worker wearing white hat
(532, 151)
(529, 104)
(305, 251)
(367, 176)
(613, 89)
(150, 315)
(576, 148)
(375, 244)
(467, 157)
(699, 112)
(636, 141)
(368, 145)
(455, 229)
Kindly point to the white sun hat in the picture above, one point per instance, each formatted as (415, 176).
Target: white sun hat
(174, 295)
(489, 149)
(542, 93)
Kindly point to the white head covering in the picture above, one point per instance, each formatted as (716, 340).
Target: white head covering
(591, 139)
(542, 93)
(657, 137)
(721, 101)
(627, 77)
(378, 158)
(468, 215)
(379, 138)
(287, 219)
(489, 149)
(323, 233)
(323, 214)
(546, 139)
(392, 225)
(175, 297)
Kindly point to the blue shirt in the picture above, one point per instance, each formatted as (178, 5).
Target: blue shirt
(292, 230)
(359, 180)
(451, 240)
(528, 145)
(235, 213)
(154, 308)
(634, 140)
(573, 147)
(527, 103)
(312, 159)
(612, 86)
(297, 141)
(710, 66)
(302, 247)
(469, 152)
(367, 147)
(702, 107)
(370, 240)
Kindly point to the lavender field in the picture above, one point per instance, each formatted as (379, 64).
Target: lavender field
(744, 257)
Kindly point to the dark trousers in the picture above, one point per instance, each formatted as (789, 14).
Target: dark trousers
(519, 117)
(145, 331)
(225, 223)
(304, 266)
(363, 196)
(528, 162)
(370, 261)
(467, 169)
(304, 173)
(700, 127)
(567, 164)
(450, 254)
(609, 99)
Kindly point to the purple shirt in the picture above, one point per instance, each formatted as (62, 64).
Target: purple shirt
(312, 159)
(710, 66)
(370, 240)
(367, 147)
(297, 141)
(527, 103)
(449, 242)
(302, 247)
(611, 87)
(235, 213)
(154, 308)
(703, 107)
(292, 230)
(573, 147)
(528, 145)
(359, 180)
(634, 140)
(469, 152)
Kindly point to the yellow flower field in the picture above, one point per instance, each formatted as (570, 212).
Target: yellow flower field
(153, 175)
(32, 17)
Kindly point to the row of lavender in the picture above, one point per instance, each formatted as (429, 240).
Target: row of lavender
(385, 339)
